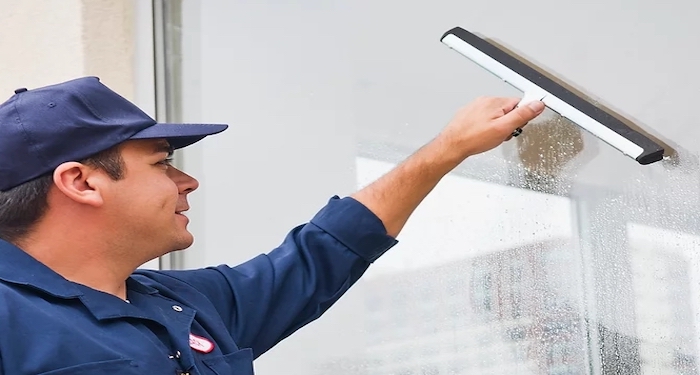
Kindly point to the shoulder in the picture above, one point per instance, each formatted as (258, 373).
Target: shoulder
(183, 284)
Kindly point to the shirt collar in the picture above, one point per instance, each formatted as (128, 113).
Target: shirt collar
(18, 267)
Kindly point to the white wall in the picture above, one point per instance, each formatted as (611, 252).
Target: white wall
(45, 42)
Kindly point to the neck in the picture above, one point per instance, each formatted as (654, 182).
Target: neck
(88, 261)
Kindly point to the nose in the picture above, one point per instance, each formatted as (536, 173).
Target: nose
(185, 183)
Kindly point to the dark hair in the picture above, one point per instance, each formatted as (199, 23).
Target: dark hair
(22, 206)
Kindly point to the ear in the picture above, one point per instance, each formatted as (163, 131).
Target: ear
(80, 183)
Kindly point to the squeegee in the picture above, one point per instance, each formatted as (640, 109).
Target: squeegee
(537, 86)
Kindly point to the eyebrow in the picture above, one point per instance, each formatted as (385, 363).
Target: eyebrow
(164, 146)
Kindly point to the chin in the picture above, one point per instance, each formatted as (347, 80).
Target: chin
(184, 242)
(177, 246)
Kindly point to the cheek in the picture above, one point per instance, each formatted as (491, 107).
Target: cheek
(160, 192)
(169, 193)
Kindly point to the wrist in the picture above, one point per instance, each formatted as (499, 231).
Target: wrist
(450, 151)
(443, 154)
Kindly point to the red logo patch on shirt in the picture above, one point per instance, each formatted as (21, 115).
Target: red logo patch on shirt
(201, 344)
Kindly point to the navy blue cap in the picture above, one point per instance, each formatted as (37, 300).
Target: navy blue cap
(42, 128)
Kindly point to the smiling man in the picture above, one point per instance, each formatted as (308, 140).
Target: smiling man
(87, 195)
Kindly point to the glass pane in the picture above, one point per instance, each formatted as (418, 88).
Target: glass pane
(467, 291)
(552, 254)
(666, 270)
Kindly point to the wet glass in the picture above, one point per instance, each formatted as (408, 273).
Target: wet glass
(552, 254)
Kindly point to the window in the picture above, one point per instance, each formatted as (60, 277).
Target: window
(566, 256)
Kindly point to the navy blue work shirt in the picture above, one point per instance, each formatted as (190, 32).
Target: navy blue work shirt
(208, 321)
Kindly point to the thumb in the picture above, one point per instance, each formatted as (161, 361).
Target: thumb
(521, 115)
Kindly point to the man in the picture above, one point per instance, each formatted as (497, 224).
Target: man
(87, 195)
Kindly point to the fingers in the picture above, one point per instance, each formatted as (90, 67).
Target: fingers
(520, 116)
(511, 134)
(508, 104)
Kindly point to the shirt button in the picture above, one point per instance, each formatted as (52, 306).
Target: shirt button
(177, 308)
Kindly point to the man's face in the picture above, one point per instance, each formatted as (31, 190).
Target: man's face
(148, 201)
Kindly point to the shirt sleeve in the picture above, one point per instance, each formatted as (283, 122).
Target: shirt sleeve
(271, 296)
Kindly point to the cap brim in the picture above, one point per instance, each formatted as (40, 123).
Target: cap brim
(180, 135)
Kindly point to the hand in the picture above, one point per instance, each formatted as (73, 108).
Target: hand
(486, 123)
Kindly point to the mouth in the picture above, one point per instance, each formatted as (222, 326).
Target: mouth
(181, 215)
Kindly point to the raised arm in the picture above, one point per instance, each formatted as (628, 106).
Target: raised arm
(476, 128)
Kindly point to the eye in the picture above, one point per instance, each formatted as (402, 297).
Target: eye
(167, 162)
